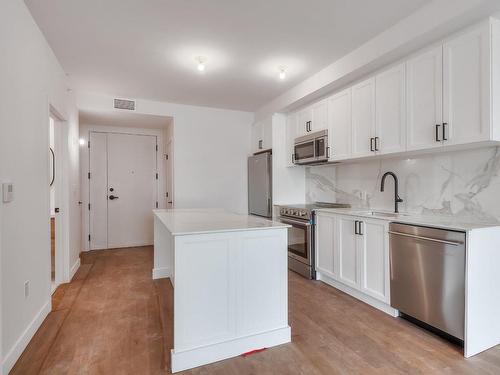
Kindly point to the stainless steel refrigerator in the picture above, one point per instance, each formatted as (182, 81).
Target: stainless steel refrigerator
(260, 199)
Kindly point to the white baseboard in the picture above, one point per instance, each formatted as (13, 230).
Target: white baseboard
(161, 273)
(200, 356)
(358, 295)
(22, 342)
(74, 268)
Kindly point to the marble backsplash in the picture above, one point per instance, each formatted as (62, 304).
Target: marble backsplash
(462, 184)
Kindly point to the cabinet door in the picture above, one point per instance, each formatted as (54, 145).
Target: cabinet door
(374, 260)
(319, 116)
(424, 98)
(466, 88)
(340, 125)
(256, 136)
(348, 258)
(325, 244)
(291, 128)
(363, 117)
(390, 111)
(304, 121)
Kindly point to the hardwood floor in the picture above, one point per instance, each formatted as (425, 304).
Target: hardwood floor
(113, 319)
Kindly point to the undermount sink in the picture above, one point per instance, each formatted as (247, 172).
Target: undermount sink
(381, 213)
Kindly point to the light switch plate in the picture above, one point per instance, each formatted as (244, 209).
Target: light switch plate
(7, 192)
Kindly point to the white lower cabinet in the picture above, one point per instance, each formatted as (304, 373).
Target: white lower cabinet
(352, 254)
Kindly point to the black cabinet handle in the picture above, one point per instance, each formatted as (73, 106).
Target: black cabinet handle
(376, 143)
(445, 124)
(371, 144)
(437, 132)
(113, 197)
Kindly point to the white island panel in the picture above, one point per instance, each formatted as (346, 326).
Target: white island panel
(230, 286)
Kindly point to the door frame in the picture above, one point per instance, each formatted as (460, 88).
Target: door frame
(62, 266)
(85, 131)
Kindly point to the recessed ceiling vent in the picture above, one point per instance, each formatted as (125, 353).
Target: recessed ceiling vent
(125, 104)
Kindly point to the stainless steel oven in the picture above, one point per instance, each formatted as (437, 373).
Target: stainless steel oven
(300, 239)
(311, 148)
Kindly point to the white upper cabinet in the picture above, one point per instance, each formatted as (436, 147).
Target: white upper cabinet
(363, 118)
(291, 128)
(304, 121)
(466, 87)
(312, 118)
(319, 116)
(424, 98)
(340, 125)
(390, 112)
(261, 135)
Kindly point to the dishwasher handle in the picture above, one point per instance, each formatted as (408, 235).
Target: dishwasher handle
(453, 243)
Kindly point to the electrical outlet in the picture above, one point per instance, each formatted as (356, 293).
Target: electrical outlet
(26, 289)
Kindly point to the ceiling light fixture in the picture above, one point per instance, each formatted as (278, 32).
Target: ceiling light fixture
(282, 70)
(201, 63)
(81, 141)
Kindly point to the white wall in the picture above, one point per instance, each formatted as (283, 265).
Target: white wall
(31, 81)
(210, 151)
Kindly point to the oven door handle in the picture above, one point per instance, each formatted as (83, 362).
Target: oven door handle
(296, 222)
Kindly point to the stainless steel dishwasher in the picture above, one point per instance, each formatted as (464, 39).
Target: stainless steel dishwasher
(428, 275)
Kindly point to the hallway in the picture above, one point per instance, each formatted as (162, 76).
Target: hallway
(108, 321)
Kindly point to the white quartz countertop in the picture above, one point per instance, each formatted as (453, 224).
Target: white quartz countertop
(181, 221)
(444, 222)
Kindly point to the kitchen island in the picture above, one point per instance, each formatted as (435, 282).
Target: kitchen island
(229, 274)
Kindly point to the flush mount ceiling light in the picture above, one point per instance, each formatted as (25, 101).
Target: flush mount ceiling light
(282, 72)
(81, 141)
(201, 61)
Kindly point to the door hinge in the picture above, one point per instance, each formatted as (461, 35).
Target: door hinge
(88, 175)
(156, 147)
(89, 206)
(157, 176)
(88, 144)
(166, 194)
(156, 204)
(166, 156)
(89, 237)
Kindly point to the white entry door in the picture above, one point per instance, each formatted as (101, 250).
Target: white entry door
(123, 189)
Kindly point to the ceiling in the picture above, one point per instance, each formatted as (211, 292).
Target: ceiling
(123, 119)
(147, 48)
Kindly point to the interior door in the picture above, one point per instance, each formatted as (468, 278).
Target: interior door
(123, 190)
(132, 181)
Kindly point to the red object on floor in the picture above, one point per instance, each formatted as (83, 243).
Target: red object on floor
(253, 352)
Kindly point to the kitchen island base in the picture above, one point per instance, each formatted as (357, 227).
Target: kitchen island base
(230, 291)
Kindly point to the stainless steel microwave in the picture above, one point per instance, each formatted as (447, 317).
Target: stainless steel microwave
(311, 148)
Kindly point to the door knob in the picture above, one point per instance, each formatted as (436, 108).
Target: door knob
(112, 197)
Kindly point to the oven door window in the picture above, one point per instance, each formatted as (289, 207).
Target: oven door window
(304, 150)
(298, 241)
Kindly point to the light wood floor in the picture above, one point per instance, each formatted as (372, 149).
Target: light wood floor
(113, 319)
